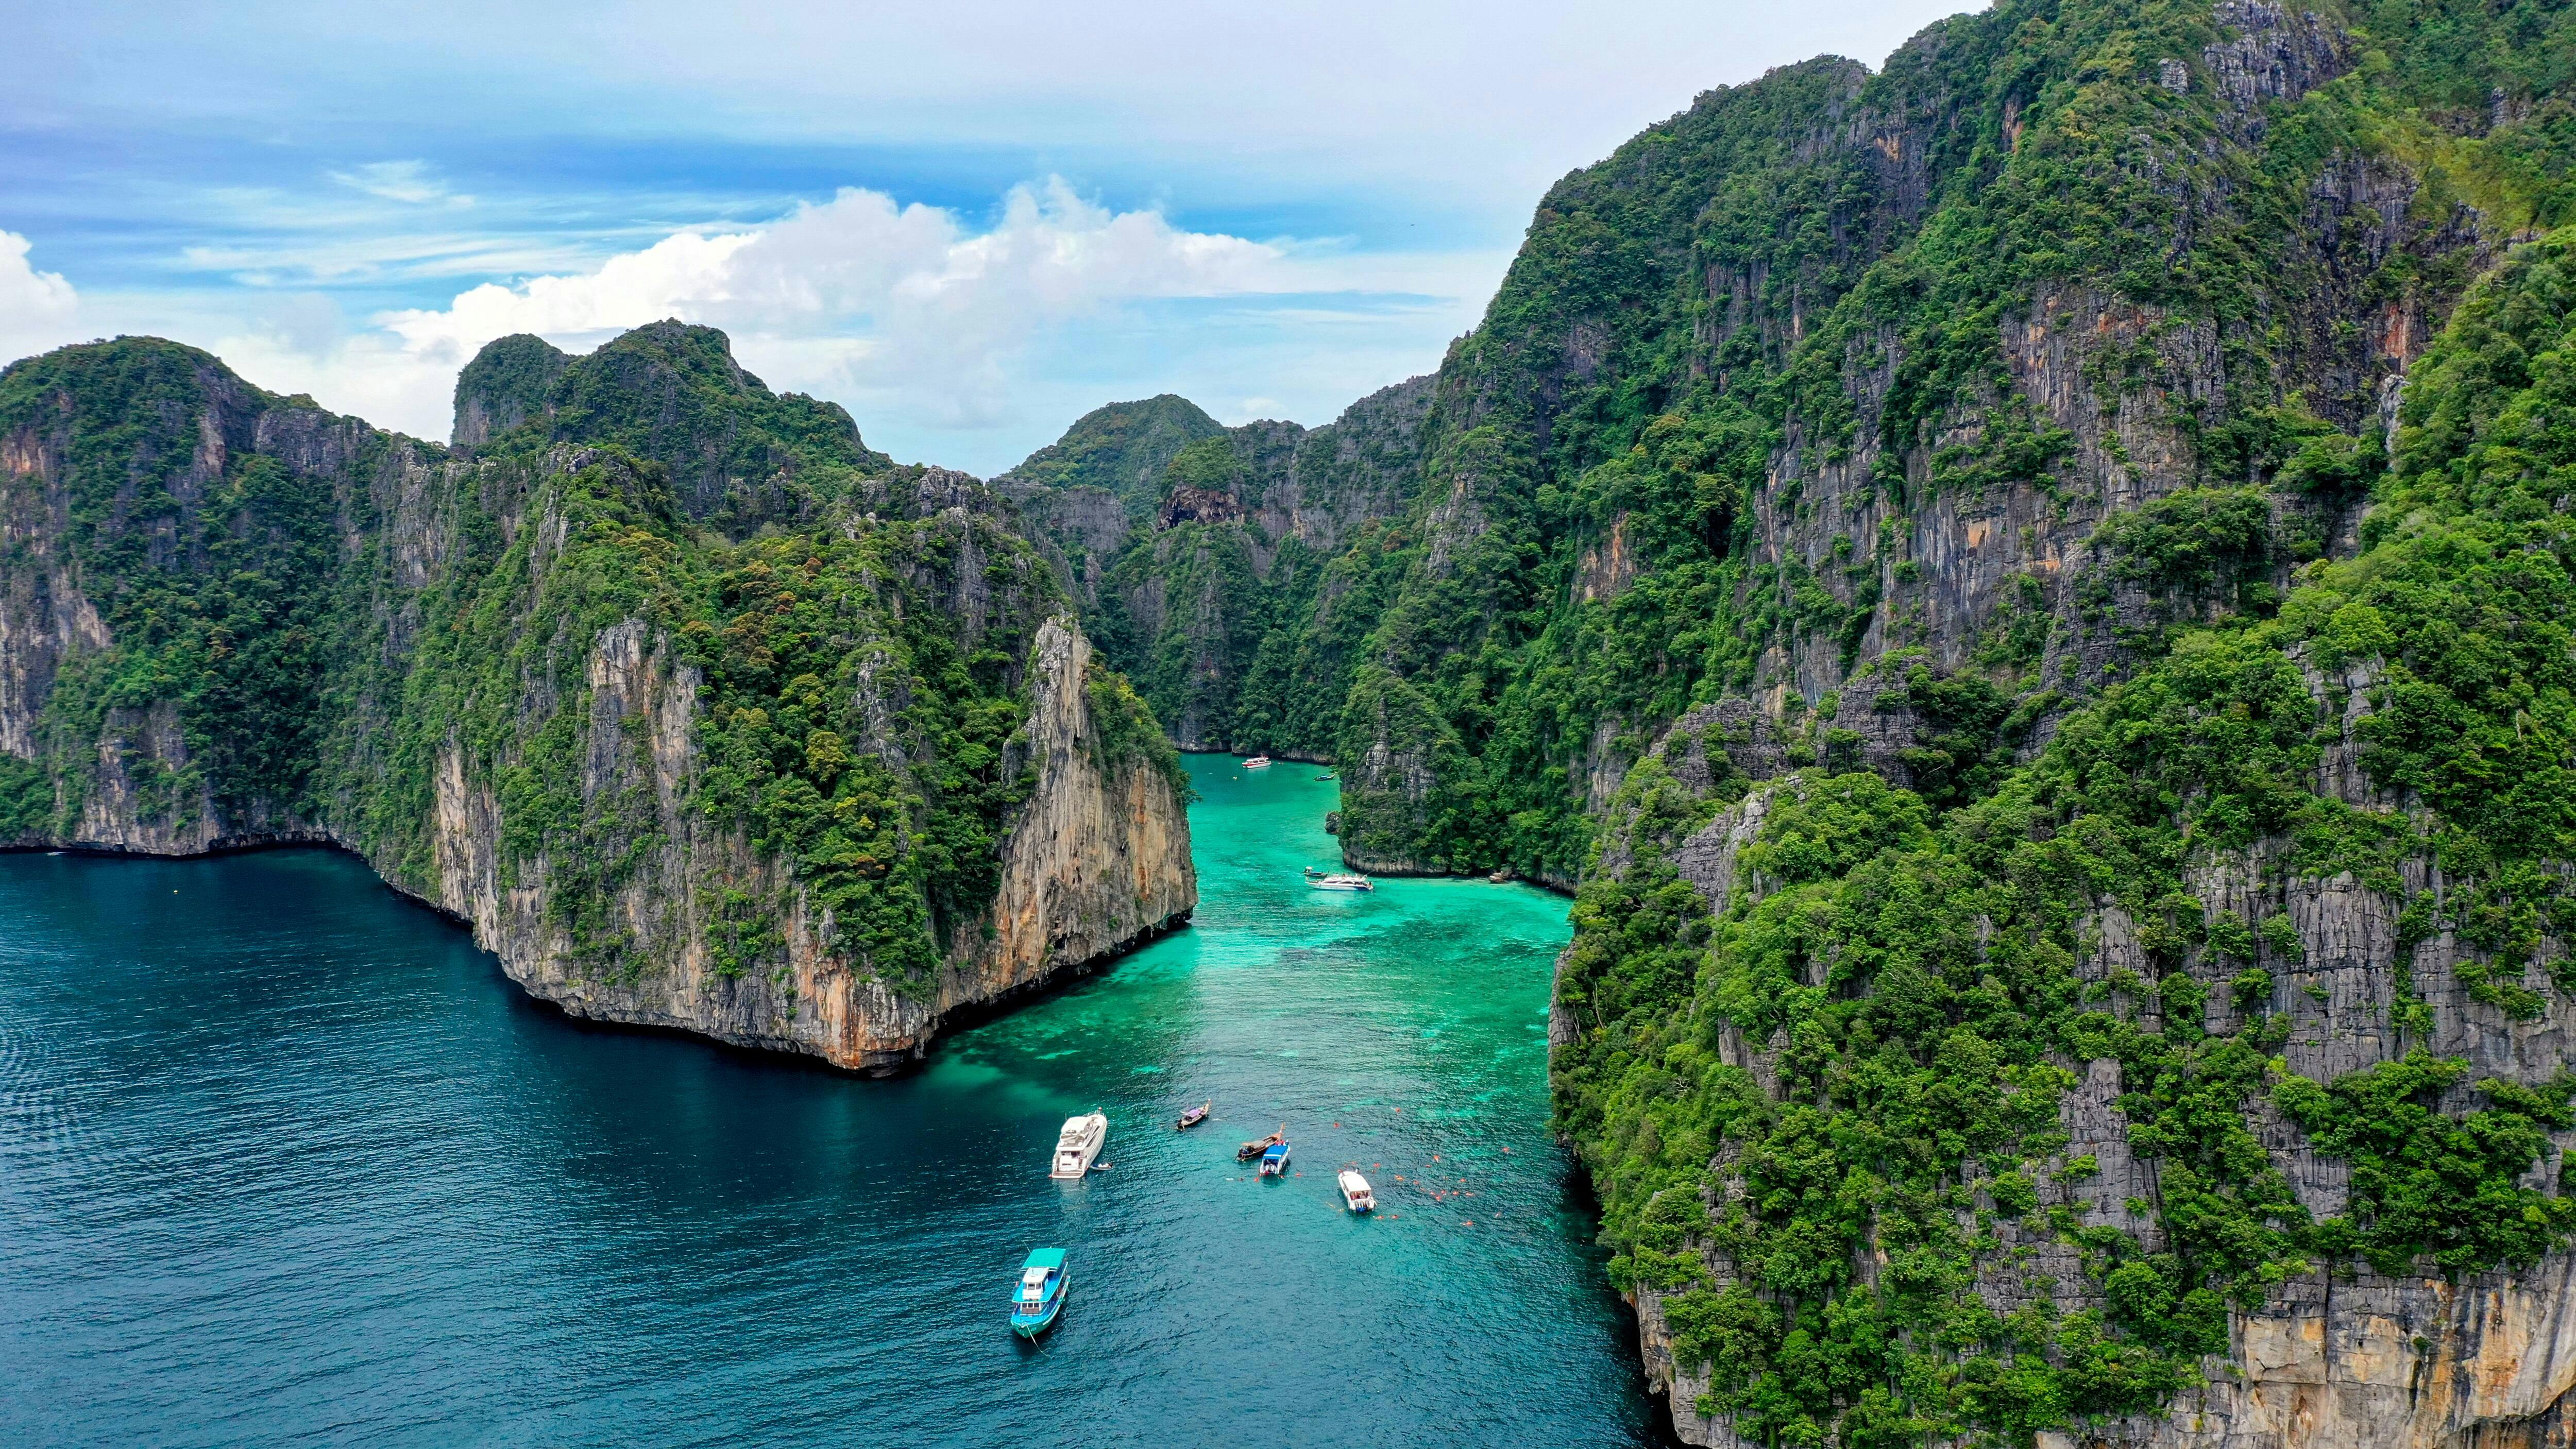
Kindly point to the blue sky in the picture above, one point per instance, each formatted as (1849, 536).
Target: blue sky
(969, 223)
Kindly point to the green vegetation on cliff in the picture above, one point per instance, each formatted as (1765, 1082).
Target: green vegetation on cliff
(216, 569)
(504, 385)
(1758, 382)
(1919, 983)
(738, 455)
(1121, 449)
(1232, 572)
(852, 723)
(313, 627)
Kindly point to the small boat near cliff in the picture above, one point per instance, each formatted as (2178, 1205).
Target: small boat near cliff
(1340, 880)
(1257, 762)
(1194, 1116)
(1355, 1192)
(1078, 1144)
(1039, 1297)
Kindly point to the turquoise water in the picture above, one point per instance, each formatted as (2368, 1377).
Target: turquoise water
(284, 1159)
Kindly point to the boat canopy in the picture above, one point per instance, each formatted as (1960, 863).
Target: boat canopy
(1044, 1259)
(1276, 1149)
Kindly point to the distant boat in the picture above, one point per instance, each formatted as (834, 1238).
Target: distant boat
(1338, 881)
(1328, 777)
(1251, 1150)
(1078, 1144)
(1355, 1193)
(1040, 1294)
(1257, 762)
(1274, 1160)
(1195, 1116)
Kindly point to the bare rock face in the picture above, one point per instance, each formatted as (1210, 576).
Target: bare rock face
(2369, 1362)
(2374, 1362)
(1097, 862)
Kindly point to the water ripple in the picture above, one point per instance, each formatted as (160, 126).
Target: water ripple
(285, 1160)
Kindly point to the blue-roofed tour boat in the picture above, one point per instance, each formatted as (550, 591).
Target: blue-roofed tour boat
(1274, 1160)
(1039, 1296)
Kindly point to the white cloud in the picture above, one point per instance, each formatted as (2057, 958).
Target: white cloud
(38, 310)
(860, 293)
(409, 182)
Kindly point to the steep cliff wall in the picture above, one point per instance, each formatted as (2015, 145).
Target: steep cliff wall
(814, 792)
(1226, 569)
(2202, 1078)
(1832, 377)
(1097, 859)
(2337, 1354)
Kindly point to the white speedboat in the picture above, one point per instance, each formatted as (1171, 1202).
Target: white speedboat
(1355, 1193)
(1257, 762)
(1080, 1142)
(1340, 880)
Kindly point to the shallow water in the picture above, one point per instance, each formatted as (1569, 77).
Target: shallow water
(283, 1158)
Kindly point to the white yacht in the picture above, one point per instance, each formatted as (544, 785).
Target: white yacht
(1079, 1144)
(1355, 1193)
(1257, 762)
(1341, 880)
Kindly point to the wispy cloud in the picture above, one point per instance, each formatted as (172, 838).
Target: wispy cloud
(409, 182)
(307, 260)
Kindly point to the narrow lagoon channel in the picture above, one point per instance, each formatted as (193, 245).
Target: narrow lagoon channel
(285, 1158)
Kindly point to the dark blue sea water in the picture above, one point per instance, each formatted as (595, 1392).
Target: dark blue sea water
(284, 1159)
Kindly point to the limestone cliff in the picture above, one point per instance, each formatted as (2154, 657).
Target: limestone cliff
(2038, 976)
(1096, 861)
(1202, 556)
(814, 793)
(2172, 1118)
(2345, 1356)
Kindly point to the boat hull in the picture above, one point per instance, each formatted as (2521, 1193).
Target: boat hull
(1077, 1146)
(1045, 1275)
(1356, 1192)
(1032, 1326)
